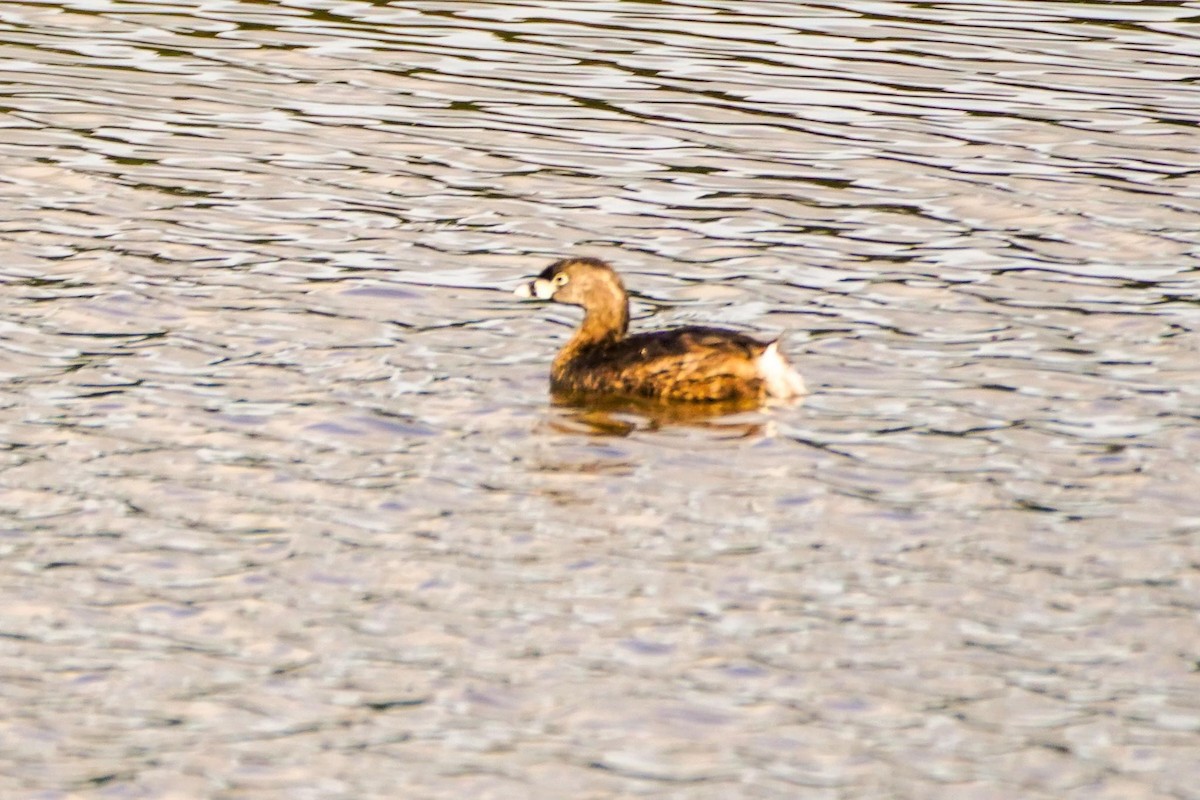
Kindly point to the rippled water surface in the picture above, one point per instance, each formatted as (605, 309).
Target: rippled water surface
(287, 511)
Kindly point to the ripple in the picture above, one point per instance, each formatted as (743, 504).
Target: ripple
(278, 451)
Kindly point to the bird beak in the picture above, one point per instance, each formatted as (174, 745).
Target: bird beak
(538, 289)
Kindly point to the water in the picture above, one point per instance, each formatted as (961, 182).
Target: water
(287, 511)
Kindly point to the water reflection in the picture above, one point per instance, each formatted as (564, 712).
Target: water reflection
(617, 416)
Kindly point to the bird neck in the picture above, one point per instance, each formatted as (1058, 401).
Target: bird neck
(602, 323)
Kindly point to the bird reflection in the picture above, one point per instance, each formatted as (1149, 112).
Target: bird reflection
(618, 416)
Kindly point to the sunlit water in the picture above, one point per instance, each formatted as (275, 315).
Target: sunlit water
(288, 511)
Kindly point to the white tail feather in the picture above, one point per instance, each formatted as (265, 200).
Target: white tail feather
(781, 379)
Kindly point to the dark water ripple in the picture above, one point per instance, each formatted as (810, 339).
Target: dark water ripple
(285, 509)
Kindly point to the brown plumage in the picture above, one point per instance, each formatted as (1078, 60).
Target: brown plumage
(695, 364)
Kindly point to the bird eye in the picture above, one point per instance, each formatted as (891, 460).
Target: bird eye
(560, 279)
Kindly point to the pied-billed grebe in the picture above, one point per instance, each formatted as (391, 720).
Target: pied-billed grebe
(696, 364)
